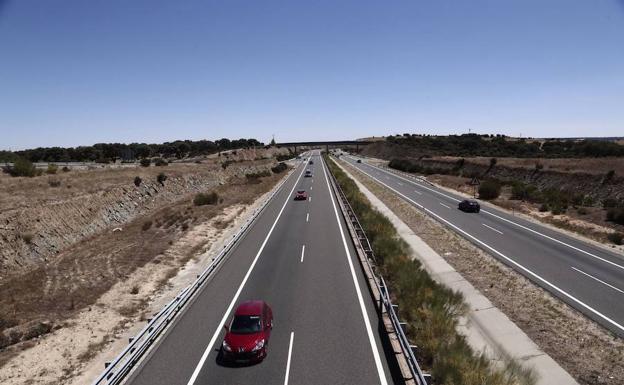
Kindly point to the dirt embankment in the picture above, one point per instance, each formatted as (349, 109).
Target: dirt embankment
(586, 176)
(38, 221)
(596, 186)
(86, 239)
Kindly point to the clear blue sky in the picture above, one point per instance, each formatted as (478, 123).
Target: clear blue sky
(80, 72)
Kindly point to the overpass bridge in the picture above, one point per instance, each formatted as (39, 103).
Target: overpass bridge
(327, 144)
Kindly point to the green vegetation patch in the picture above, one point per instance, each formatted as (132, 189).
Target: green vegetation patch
(431, 310)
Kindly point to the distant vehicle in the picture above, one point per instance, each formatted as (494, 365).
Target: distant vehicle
(311, 161)
(301, 195)
(308, 174)
(359, 160)
(469, 206)
(247, 337)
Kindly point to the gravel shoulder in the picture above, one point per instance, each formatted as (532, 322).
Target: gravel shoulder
(591, 354)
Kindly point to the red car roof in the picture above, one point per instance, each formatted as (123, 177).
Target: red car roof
(253, 307)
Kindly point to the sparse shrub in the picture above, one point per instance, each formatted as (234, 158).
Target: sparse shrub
(27, 238)
(280, 167)
(160, 162)
(145, 162)
(616, 238)
(22, 167)
(616, 215)
(581, 211)
(146, 225)
(134, 290)
(65, 169)
(282, 157)
(543, 208)
(525, 191)
(137, 181)
(185, 226)
(556, 199)
(225, 164)
(489, 189)
(201, 199)
(538, 166)
(52, 169)
(161, 178)
(577, 199)
(254, 177)
(588, 201)
(4, 340)
(198, 161)
(608, 176)
(36, 330)
(609, 202)
(53, 182)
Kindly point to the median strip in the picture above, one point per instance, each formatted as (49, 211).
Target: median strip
(431, 311)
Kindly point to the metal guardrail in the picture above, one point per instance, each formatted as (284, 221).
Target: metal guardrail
(116, 371)
(385, 303)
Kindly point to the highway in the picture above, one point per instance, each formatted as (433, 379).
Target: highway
(298, 257)
(588, 277)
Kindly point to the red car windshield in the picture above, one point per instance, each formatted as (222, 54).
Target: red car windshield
(246, 324)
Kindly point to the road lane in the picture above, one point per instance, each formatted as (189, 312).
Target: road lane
(312, 294)
(547, 253)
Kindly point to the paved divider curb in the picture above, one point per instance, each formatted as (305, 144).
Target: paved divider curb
(487, 329)
(117, 371)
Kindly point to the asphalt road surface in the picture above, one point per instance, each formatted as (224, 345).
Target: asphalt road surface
(326, 329)
(588, 277)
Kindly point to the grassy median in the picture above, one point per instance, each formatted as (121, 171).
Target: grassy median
(431, 310)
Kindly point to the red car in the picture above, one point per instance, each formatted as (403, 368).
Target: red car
(301, 195)
(247, 337)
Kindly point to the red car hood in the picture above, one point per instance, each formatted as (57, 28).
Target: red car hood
(245, 341)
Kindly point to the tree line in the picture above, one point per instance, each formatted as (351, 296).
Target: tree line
(502, 146)
(108, 152)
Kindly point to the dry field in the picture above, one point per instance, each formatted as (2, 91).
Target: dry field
(41, 296)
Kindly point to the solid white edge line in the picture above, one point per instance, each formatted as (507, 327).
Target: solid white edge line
(493, 229)
(507, 220)
(302, 253)
(217, 332)
(369, 330)
(531, 273)
(290, 346)
(597, 279)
